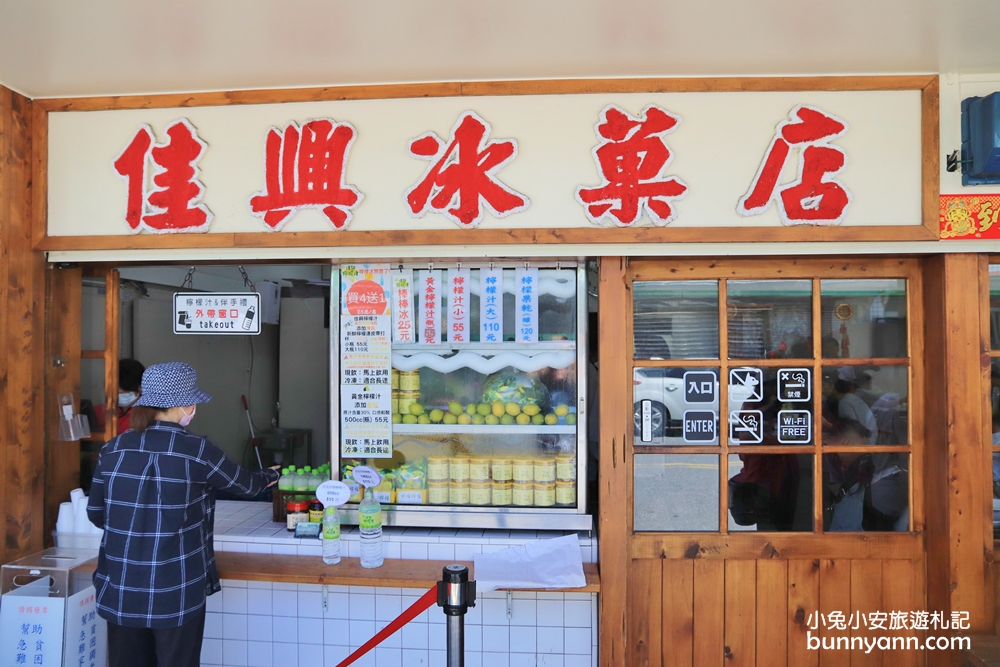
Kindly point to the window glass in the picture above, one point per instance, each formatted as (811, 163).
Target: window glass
(92, 396)
(676, 406)
(771, 406)
(769, 319)
(866, 492)
(771, 492)
(863, 318)
(676, 319)
(995, 306)
(92, 314)
(865, 405)
(676, 492)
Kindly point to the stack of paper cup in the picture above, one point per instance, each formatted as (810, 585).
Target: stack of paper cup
(81, 522)
(65, 521)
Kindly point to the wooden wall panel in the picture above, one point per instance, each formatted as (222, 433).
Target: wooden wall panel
(866, 597)
(616, 420)
(741, 613)
(803, 602)
(22, 275)
(645, 605)
(772, 613)
(834, 596)
(709, 613)
(902, 590)
(677, 645)
(63, 313)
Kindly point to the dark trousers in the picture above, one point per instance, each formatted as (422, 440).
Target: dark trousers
(157, 647)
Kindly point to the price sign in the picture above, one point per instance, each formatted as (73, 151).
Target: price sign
(333, 493)
(491, 305)
(430, 301)
(459, 282)
(367, 476)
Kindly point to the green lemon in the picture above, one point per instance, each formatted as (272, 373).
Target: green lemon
(492, 420)
(551, 419)
(464, 419)
(455, 408)
(416, 409)
(436, 415)
(561, 410)
(523, 419)
(571, 418)
(409, 419)
(484, 409)
(537, 420)
(450, 419)
(507, 420)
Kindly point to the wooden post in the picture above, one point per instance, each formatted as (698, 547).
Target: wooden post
(959, 509)
(616, 418)
(22, 274)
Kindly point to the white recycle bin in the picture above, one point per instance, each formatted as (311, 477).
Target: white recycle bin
(48, 611)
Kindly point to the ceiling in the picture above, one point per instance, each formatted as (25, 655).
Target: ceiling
(58, 48)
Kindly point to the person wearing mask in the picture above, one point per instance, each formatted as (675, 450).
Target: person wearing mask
(129, 383)
(152, 493)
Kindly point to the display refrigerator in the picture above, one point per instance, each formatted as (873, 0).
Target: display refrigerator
(465, 386)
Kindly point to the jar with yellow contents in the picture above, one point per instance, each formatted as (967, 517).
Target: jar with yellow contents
(545, 495)
(501, 470)
(458, 493)
(479, 469)
(503, 494)
(438, 469)
(459, 469)
(545, 471)
(523, 470)
(566, 467)
(480, 493)
(409, 381)
(437, 493)
(406, 400)
(523, 494)
(566, 494)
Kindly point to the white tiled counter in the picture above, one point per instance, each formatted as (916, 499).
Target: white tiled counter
(272, 624)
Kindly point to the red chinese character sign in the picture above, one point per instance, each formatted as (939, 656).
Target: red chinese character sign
(170, 205)
(461, 180)
(814, 198)
(304, 168)
(631, 158)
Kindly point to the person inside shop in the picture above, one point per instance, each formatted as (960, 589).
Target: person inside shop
(850, 406)
(766, 491)
(152, 495)
(129, 383)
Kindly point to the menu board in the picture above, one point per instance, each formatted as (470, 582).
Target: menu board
(366, 361)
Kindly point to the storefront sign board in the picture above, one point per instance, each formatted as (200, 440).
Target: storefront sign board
(217, 313)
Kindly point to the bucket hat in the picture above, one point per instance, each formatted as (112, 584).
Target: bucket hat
(171, 385)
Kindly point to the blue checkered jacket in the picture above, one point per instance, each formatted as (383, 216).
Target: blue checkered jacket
(152, 494)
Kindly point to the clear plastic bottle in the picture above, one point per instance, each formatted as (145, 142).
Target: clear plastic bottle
(300, 481)
(285, 481)
(370, 524)
(331, 535)
(315, 479)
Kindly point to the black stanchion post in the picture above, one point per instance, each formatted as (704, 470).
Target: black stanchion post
(456, 593)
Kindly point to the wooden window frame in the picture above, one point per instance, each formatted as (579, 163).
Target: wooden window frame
(752, 544)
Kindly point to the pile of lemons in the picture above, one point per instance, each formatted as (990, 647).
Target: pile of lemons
(496, 413)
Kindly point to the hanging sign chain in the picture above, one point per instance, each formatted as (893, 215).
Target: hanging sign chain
(189, 279)
(246, 280)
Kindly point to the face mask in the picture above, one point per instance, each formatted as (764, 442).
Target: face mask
(126, 399)
(186, 419)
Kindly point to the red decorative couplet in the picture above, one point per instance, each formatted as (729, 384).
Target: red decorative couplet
(461, 179)
(171, 204)
(814, 198)
(304, 168)
(970, 216)
(631, 158)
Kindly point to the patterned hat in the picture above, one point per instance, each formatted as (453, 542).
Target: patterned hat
(171, 385)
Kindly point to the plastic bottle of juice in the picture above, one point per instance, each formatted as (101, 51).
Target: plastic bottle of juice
(285, 482)
(370, 524)
(331, 535)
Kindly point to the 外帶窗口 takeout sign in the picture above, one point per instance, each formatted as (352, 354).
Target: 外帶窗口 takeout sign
(684, 159)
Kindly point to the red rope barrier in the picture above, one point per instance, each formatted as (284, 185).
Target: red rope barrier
(426, 600)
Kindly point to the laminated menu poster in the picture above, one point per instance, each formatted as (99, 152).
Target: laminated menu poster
(365, 361)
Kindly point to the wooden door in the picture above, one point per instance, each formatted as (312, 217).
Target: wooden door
(817, 366)
(67, 349)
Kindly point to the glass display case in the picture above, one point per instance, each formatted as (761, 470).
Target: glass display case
(488, 411)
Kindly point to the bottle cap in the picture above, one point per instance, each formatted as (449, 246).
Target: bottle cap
(284, 471)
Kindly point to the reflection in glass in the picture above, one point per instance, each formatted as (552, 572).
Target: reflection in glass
(92, 394)
(676, 492)
(865, 405)
(676, 319)
(662, 396)
(771, 492)
(766, 411)
(769, 319)
(863, 318)
(866, 492)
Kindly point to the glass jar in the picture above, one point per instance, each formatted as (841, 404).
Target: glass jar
(395, 401)
(297, 510)
(545, 495)
(395, 379)
(459, 469)
(566, 493)
(479, 470)
(409, 381)
(315, 511)
(406, 399)
(438, 469)
(480, 493)
(545, 471)
(502, 493)
(566, 468)
(437, 493)
(523, 470)
(502, 470)
(523, 494)
(458, 493)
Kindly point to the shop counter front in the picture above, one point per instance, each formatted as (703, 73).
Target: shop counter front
(281, 606)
